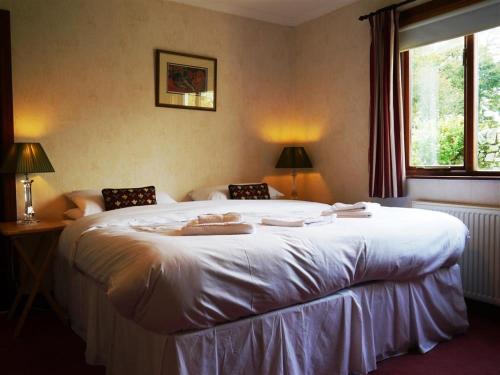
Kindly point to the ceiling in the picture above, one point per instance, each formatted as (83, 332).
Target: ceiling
(283, 12)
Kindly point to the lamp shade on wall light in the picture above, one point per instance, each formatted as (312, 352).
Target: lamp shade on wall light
(25, 158)
(294, 158)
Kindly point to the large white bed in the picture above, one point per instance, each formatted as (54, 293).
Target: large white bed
(332, 298)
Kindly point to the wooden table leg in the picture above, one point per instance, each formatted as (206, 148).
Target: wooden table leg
(48, 296)
(13, 308)
(39, 276)
(20, 292)
(24, 278)
(54, 305)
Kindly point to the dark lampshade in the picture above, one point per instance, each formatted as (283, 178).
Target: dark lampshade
(26, 158)
(294, 157)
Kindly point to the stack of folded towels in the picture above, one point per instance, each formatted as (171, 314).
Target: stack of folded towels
(217, 224)
(356, 210)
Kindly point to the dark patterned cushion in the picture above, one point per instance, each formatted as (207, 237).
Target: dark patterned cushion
(256, 191)
(120, 198)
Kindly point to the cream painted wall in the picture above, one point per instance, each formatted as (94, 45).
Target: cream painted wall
(83, 85)
(332, 98)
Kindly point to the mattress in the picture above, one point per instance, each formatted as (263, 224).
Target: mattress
(168, 283)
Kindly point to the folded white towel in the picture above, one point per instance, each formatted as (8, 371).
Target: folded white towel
(230, 217)
(356, 206)
(354, 214)
(359, 209)
(296, 222)
(195, 229)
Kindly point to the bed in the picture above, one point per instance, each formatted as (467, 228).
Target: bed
(333, 298)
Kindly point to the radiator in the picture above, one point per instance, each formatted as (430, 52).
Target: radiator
(480, 262)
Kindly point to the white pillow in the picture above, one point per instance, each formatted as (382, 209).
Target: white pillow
(221, 192)
(217, 196)
(163, 197)
(73, 213)
(89, 201)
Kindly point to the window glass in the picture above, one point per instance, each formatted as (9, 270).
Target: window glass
(488, 109)
(437, 104)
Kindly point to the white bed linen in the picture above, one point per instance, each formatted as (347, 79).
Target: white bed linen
(168, 283)
(344, 333)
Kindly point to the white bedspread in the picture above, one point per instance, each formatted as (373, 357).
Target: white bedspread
(169, 283)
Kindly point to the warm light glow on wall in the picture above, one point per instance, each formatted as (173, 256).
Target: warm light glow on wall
(287, 132)
(282, 183)
(31, 124)
(315, 187)
(310, 185)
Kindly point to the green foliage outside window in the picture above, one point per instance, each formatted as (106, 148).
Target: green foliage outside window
(488, 134)
(437, 125)
(437, 137)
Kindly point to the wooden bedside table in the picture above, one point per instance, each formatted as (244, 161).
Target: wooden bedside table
(16, 232)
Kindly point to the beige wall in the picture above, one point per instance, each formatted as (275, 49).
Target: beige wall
(83, 87)
(332, 77)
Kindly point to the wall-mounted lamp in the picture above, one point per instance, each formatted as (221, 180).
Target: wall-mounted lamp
(27, 158)
(294, 158)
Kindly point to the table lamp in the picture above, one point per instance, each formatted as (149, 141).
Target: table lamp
(27, 158)
(294, 158)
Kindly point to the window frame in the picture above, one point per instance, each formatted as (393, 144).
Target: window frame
(416, 14)
(468, 171)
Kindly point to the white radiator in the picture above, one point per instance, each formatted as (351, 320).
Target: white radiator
(480, 262)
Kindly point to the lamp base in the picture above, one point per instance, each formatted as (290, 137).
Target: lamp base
(295, 194)
(29, 212)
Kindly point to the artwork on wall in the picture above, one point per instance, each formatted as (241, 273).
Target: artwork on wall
(185, 81)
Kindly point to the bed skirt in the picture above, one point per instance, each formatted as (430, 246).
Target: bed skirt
(344, 333)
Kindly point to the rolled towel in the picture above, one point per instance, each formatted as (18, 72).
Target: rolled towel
(230, 217)
(296, 222)
(337, 207)
(194, 229)
(282, 222)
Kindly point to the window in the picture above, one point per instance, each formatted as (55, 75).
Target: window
(437, 105)
(452, 106)
(488, 88)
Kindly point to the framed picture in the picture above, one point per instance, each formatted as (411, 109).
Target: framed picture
(185, 81)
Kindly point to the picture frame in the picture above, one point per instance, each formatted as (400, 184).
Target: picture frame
(185, 81)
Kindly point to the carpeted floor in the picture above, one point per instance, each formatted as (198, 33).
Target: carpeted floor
(475, 353)
(47, 347)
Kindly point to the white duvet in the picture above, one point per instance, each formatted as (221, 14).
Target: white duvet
(169, 283)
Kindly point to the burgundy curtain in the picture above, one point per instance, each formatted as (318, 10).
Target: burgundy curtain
(386, 156)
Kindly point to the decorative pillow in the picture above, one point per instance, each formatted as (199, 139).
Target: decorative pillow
(255, 191)
(221, 192)
(128, 197)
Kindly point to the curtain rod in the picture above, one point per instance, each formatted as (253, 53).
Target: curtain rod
(393, 6)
